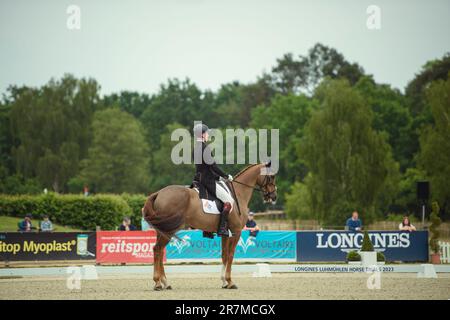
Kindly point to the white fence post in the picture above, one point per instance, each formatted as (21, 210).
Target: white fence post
(445, 251)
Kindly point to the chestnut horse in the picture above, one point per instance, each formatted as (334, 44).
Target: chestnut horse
(172, 207)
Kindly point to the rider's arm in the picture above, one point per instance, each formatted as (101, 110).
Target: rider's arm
(217, 170)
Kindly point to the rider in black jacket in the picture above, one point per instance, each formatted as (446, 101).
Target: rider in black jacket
(208, 173)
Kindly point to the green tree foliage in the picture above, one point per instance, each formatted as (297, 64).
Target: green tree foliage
(390, 115)
(77, 211)
(415, 94)
(434, 227)
(117, 159)
(235, 101)
(298, 202)
(50, 128)
(304, 74)
(434, 157)
(347, 159)
(168, 172)
(288, 113)
(131, 102)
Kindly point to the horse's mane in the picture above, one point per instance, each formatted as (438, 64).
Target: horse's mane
(245, 169)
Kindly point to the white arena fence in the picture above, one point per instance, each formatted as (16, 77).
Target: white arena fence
(445, 251)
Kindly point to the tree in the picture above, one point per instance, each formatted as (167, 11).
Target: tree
(392, 116)
(298, 202)
(349, 162)
(433, 70)
(167, 172)
(288, 113)
(128, 101)
(118, 157)
(235, 102)
(50, 128)
(304, 74)
(434, 156)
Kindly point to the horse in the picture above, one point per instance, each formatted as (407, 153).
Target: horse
(174, 206)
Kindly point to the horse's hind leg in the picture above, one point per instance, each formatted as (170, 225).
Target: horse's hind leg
(164, 242)
(158, 266)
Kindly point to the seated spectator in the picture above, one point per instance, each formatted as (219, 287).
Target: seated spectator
(126, 225)
(354, 223)
(251, 225)
(46, 225)
(25, 225)
(406, 225)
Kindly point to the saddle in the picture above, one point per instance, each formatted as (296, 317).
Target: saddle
(210, 203)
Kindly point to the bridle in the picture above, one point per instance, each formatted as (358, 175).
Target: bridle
(266, 182)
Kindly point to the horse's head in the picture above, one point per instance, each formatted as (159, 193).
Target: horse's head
(266, 181)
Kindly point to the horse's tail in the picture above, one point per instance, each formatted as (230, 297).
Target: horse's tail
(167, 225)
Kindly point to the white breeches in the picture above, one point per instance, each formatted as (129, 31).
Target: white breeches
(223, 195)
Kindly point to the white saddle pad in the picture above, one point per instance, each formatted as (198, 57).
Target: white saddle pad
(210, 206)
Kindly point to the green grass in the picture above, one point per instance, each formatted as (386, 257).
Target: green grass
(9, 224)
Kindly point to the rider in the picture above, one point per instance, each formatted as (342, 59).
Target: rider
(207, 173)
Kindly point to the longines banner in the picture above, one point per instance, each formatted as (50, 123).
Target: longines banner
(266, 245)
(334, 245)
(18, 246)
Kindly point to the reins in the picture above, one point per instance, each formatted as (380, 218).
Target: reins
(248, 186)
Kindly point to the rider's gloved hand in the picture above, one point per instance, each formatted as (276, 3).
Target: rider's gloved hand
(230, 177)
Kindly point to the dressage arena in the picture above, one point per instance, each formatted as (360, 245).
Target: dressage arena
(202, 282)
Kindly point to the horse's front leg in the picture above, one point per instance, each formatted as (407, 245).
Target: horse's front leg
(232, 243)
(224, 260)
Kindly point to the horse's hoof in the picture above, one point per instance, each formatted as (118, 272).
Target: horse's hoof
(168, 288)
(227, 286)
(158, 288)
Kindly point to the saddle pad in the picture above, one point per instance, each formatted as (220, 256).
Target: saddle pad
(209, 206)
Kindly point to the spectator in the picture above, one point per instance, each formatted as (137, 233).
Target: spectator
(46, 225)
(354, 223)
(251, 225)
(126, 225)
(406, 225)
(25, 225)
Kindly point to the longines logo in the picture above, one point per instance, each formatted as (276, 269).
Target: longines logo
(351, 241)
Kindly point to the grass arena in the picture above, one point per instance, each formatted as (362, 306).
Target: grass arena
(202, 281)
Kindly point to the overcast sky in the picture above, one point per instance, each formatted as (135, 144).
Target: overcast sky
(137, 45)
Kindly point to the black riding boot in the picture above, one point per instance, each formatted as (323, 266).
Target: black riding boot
(223, 224)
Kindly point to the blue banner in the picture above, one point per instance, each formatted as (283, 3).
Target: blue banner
(334, 245)
(266, 245)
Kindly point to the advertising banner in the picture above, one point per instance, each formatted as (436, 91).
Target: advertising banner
(266, 245)
(26, 246)
(334, 245)
(125, 246)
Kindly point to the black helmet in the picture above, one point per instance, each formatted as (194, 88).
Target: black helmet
(200, 129)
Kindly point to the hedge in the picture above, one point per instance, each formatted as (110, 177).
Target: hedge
(103, 210)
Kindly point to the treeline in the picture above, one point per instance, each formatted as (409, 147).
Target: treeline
(346, 142)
